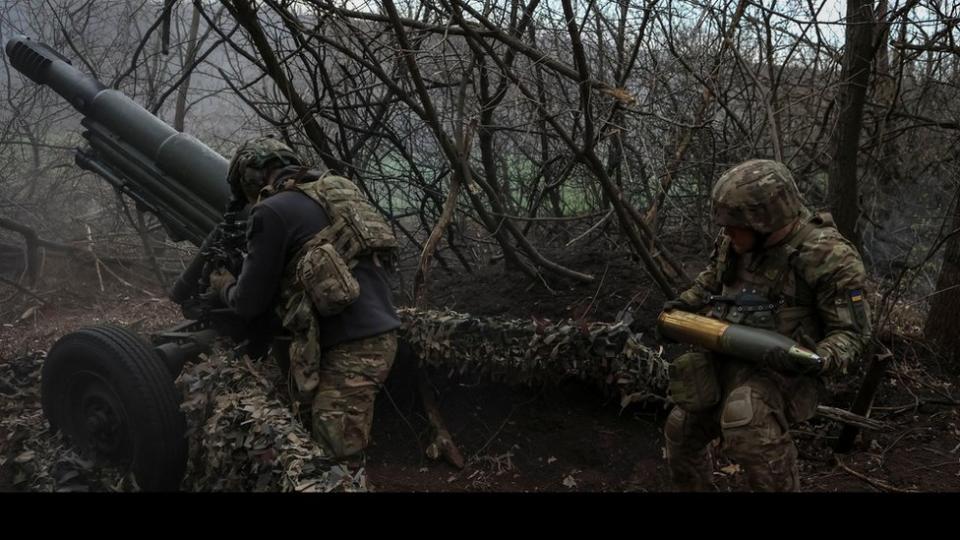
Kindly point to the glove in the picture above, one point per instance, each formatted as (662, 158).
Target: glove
(220, 279)
(779, 360)
(193, 308)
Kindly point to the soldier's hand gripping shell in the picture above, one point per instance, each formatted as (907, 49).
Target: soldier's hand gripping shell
(221, 279)
(677, 303)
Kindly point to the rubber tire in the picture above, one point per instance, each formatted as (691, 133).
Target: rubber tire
(134, 372)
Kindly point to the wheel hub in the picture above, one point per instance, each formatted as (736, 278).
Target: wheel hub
(98, 420)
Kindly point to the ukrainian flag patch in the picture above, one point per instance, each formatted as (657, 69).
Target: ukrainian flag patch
(856, 295)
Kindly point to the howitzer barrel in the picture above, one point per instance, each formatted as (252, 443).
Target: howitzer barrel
(736, 340)
(178, 156)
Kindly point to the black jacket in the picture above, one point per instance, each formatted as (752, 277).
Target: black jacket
(278, 227)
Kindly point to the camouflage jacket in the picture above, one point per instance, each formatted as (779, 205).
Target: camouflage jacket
(814, 281)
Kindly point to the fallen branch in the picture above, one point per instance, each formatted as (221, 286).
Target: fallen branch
(22, 289)
(875, 482)
(33, 244)
(852, 419)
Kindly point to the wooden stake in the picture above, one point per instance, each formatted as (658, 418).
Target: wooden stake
(864, 400)
(442, 443)
(96, 260)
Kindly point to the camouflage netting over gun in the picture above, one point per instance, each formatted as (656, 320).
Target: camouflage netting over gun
(244, 437)
(32, 458)
(530, 351)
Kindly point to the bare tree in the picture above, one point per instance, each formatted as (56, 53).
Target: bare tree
(858, 54)
(941, 327)
(514, 131)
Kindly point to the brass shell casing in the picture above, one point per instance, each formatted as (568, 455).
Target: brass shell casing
(691, 328)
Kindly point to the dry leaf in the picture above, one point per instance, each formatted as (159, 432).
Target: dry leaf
(28, 313)
(731, 469)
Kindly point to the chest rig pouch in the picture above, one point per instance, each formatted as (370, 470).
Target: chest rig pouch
(752, 307)
(694, 385)
(321, 269)
(753, 293)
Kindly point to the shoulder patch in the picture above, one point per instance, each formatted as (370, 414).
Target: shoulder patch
(859, 309)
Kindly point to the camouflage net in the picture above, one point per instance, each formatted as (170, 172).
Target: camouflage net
(245, 436)
(242, 436)
(609, 356)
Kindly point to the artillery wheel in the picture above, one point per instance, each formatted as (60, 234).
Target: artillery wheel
(110, 393)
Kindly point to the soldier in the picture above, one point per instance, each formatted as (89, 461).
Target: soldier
(775, 265)
(316, 252)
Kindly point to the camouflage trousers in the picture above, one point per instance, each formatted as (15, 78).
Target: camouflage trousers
(752, 423)
(342, 389)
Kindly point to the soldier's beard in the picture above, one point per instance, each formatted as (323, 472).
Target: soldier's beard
(759, 241)
(743, 240)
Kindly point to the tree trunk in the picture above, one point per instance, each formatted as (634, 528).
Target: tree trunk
(850, 102)
(180, 113)
(941, 328)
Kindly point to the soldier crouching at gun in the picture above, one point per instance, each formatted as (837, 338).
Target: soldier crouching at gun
(316, 256)
(776, 266)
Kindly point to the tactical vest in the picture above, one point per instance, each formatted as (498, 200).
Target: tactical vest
(321, 267)
(766, 289)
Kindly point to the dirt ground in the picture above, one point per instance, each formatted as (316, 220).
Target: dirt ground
(566, 437)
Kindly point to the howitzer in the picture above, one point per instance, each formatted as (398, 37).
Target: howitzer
(105, 387)
(736, 340)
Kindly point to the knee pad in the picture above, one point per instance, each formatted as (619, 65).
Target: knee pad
(674, 428)
(750, 422)
(739, 409)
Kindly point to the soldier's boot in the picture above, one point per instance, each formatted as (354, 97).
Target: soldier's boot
(688, 456)
(757, 437)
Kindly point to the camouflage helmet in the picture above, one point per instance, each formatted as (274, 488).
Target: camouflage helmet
(260, 154)
(759, 194)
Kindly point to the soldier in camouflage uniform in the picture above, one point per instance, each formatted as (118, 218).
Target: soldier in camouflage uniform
(302, 222)
(775, 265)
